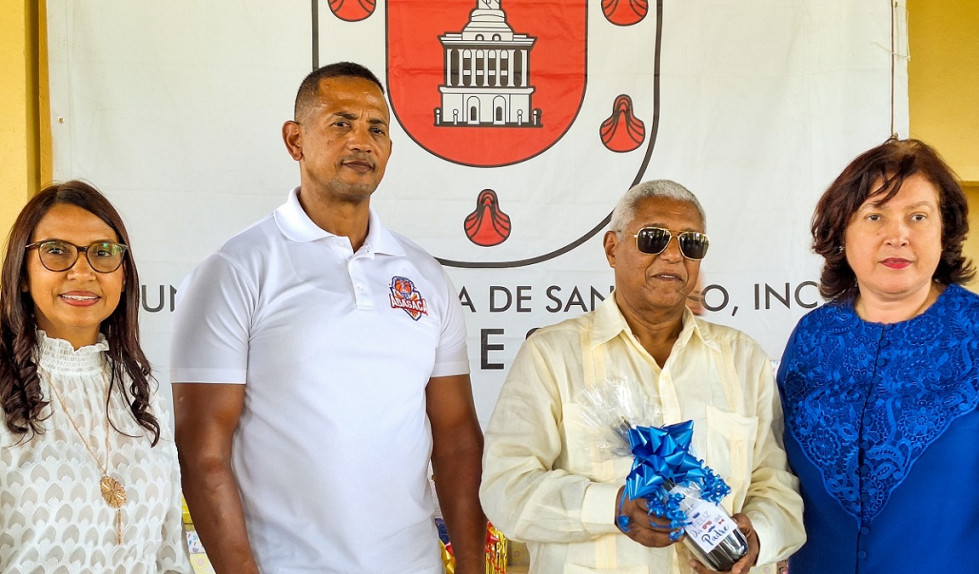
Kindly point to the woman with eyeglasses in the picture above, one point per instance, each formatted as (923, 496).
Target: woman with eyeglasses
(89, 480)
(880, 385)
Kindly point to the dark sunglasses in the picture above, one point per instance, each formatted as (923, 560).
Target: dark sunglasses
(653, 241)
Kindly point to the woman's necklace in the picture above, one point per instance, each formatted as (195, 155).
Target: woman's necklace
(113, 492)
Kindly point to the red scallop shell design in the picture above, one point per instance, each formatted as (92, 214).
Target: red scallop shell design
(352, 10)
(625, 12)
(622, 131)
(487, 225)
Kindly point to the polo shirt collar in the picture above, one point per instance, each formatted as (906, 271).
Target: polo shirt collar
(296, 225)
(610, 323)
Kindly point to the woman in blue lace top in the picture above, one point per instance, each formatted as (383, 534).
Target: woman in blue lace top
(880, 385)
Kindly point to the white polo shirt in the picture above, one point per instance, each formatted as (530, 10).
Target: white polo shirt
(336, 348)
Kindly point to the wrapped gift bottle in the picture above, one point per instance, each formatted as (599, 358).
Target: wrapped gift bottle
(680, 487)
(711, 534)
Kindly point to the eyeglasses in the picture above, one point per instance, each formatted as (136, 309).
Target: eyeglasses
(653, 241)
(57, 255)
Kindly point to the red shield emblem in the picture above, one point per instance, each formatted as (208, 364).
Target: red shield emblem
(486, 82)
(527, 119)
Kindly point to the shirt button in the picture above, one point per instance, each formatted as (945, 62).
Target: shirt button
(865, 531)
(862, 555)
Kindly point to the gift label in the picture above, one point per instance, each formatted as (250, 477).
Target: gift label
(709, 524)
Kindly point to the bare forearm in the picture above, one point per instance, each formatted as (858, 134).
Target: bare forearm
(457, 477)
(215, 507)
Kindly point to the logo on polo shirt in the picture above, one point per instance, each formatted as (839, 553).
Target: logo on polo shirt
(405, 296)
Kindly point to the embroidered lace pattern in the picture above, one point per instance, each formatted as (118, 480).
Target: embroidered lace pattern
(864, 400)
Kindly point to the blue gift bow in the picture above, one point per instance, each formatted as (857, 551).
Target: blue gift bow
(663, 460)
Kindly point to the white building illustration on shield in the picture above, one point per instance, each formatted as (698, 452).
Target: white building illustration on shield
(487, 73)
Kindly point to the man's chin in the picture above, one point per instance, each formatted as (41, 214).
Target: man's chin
(354, 191)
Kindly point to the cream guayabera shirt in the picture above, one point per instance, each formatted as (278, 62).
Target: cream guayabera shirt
(548, 481)
(53, 519)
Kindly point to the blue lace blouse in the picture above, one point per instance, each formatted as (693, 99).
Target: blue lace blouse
(882, 428)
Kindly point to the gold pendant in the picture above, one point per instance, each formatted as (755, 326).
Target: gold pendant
(113, 492)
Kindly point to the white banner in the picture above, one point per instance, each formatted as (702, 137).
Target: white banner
(518, 124)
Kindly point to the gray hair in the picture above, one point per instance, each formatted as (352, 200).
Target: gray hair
(625, 209)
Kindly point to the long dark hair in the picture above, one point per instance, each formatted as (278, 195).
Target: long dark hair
(20, 390)
(890, 164)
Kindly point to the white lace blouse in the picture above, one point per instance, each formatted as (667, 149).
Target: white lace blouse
(53, 518)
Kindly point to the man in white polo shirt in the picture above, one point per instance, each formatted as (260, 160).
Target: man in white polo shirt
(320, 364)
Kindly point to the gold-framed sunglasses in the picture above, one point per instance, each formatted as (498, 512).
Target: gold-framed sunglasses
(653, 241)
(58, 255)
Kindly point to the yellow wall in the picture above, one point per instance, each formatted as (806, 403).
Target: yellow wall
(19, 147)
(943, 82)
(943, 92)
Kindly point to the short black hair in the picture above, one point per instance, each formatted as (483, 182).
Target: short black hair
(306, 96)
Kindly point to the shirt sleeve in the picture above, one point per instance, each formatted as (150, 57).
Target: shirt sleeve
(772, 502)
(523, 492)
(211, 321)
(451, 356)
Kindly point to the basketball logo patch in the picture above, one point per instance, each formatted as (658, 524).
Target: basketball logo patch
(404, 296)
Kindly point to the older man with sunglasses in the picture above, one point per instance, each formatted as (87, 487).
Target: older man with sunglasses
(546, 479)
